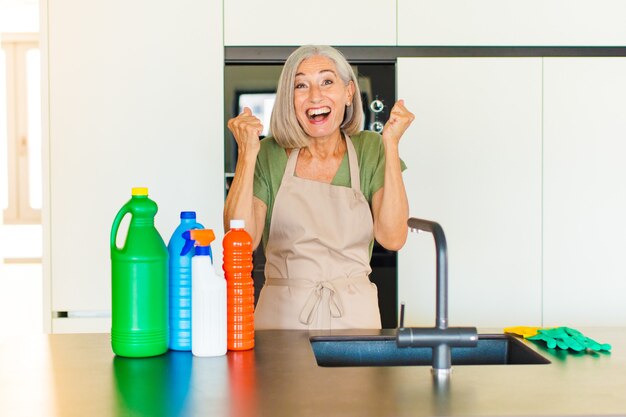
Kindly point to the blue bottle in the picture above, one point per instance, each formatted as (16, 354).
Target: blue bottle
(180, 283)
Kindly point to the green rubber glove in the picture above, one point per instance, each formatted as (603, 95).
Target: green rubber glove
(550, 337)
(587, 342)
(568, 338)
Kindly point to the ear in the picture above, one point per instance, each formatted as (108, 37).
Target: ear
(350, 92)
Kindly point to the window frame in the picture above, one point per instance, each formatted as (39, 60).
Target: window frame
(16, 47)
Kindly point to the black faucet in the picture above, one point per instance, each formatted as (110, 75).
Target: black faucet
(441, 337)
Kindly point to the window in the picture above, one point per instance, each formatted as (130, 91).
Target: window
(20, 129)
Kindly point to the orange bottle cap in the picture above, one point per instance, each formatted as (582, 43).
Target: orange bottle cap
(204, 237)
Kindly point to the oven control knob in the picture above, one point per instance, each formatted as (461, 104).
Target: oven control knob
(377, 126)
(377, 106)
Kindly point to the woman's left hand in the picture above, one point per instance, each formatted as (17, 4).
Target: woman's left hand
(399, 121)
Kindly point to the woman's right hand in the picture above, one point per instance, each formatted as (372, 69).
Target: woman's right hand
(246, 129)
(240, 202)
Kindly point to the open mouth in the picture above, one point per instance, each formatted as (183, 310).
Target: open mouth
(319, 114)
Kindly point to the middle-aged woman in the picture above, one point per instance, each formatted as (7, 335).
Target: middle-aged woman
(317, 193)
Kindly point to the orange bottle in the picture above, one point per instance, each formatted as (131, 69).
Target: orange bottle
(237, 245)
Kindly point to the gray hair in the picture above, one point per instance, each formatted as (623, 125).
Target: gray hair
(284, 125)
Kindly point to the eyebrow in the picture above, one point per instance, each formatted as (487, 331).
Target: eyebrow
(321, 72)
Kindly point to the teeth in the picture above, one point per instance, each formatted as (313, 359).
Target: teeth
(315, 112)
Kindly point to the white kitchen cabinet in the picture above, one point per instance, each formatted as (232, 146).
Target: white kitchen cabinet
(512, 22)
(281, 22)
(133, 97)
(585, 196)
(474, 166)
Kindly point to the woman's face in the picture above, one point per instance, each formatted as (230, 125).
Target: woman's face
(320, 97)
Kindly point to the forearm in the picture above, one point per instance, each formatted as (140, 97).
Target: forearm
(390, 223)
(239, 202)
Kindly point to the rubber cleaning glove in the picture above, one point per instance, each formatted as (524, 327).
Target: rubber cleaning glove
(568, 338)
(524, 331)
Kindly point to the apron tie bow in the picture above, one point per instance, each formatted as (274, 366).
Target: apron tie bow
(315, 298)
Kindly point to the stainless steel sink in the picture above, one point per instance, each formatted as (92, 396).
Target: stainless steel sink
(491, 349)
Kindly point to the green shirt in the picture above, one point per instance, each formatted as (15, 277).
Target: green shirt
(272, 161)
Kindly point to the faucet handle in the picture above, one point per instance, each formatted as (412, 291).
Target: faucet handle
(402, 315)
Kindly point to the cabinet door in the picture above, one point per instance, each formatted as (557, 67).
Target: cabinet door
(280, 22)
(512, 22)
(125, 108)
(585, 191)
(474, 166)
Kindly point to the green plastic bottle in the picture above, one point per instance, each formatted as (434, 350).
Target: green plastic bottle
(139, 292)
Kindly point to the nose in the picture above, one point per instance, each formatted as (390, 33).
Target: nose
(315, 94)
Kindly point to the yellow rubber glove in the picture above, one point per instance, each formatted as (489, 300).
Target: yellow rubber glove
(524, 331)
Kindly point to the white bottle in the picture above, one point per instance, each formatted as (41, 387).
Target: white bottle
(208, 300)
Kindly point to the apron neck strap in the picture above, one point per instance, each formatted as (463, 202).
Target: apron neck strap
(290, 170)
(355, 176)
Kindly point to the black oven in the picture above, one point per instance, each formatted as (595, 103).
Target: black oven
(250, 79)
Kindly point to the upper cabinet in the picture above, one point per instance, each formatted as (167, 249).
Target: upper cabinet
(511, 23)
(426, 23)
(331, 22)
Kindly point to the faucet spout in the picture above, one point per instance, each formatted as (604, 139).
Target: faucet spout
(440, 338)
(441, 247)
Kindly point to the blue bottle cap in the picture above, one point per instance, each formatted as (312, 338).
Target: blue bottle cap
(187, 214)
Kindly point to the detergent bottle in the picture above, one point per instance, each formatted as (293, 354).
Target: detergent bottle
(208, 297)
(237, 246)
(180, 283)
(139, 282)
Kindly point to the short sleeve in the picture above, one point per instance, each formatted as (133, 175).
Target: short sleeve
(261, 189)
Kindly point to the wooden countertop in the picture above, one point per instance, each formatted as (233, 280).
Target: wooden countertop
(78, 375)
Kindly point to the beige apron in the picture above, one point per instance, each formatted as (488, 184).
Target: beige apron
(317, 268)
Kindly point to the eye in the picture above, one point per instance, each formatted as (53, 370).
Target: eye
(327, 81)
(299, 85)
